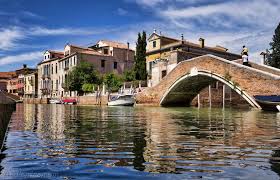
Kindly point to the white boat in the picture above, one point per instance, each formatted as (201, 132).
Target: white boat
(55, 101)
(122, 100)
(278, 107)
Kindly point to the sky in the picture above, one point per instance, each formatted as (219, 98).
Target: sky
(30, 27)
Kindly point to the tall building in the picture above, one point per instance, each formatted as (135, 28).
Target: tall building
(107, 56)
(164, 53)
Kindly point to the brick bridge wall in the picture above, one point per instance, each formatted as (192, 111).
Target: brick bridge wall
(252, 81)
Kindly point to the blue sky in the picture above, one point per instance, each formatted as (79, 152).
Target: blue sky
(28, 28)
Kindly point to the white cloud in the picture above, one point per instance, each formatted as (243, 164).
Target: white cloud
(227, 23)
(121, 12)
(42, 31)
(21, 58)
(9, 37)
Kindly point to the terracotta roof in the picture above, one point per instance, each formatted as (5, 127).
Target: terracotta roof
(114, 44)
(5, 75)
(78, 47)
(88, 50)
(93, 52)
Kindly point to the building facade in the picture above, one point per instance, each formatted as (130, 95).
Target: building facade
(164, 53)
(31, 85)
(15, 85)
(107, 57)
(4, 80)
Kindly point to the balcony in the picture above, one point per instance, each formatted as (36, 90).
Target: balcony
(66, 68)
(45, 91)
(45, 76)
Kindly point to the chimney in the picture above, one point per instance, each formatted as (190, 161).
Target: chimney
(201, 42)
(24, 66)
(182, 38)
(127, 45)
(264, 57)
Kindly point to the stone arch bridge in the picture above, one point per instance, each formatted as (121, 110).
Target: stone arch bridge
(189, 77)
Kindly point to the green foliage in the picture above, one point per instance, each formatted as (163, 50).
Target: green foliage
(140, 58)
(228, 76)
(83, 73)
(129, 75)
(235, 84)
(113, 82)
(275, 47)
(88, 87)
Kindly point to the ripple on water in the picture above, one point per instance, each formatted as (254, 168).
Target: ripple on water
(56, 141)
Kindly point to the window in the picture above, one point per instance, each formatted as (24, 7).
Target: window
(103, 63)
(52, 68)
(115, 65)
(52, 55)
(56, 68)
(163, 73)
(154, 44)
(150, 67)
(105, 51)
(48, 56)
(74, 63)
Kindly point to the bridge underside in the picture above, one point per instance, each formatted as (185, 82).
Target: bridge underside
(185, 91)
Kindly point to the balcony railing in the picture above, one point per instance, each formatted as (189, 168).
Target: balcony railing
(44, 76)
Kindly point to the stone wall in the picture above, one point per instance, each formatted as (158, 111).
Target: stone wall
(92, 100)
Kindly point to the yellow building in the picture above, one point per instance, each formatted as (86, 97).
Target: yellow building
(164, 53)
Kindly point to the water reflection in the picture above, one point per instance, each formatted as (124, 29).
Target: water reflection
(5, 116)
(55, 141)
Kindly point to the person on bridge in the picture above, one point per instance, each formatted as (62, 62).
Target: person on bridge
(245, 56)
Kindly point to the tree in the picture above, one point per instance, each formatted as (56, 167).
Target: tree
(275, 47)
(88, 87)
(83, 73)
(113, 81)
(140, 58)
(129, 75)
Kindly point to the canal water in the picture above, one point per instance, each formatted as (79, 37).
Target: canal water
(85, 142)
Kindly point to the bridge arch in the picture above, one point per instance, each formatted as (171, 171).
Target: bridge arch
(189, 77)
(186, 88)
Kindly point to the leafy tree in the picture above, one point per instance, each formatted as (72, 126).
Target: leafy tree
(275, 47)
(83, 73)
(140, 58)
(88, 87)
(129, 75)
(113, 81)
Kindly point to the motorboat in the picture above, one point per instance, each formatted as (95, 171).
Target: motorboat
(69, 101)
(122, 100)
(269, 103)
(278, 107)
(55, 101)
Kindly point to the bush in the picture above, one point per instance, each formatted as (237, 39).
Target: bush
(113, 82)
(88, 88)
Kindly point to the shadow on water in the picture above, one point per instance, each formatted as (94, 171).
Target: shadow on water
(6, 111)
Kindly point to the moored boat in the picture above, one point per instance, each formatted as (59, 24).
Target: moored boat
(69, 101)
(122, 100)
(55, 101)
(269, 103)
